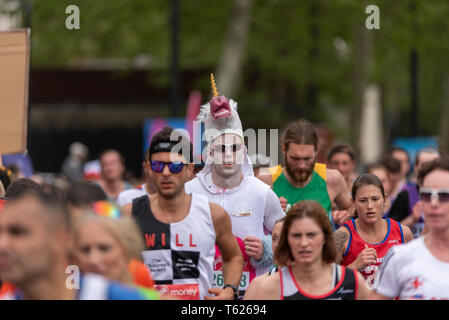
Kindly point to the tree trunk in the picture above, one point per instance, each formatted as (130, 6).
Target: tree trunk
(363, 60)
(444, 122)
(230, 65)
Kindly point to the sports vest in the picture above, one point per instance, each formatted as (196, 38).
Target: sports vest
(2, 202)
(179, 255)
(345, 285)
(248, 272)
(356, 245)
(316, 189)
(247, 216)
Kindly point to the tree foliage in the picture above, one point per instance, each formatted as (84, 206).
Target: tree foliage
(300, 59)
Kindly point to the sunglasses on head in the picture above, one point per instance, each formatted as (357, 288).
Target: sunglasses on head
(233, 147)
(174, 167)
(427, 194)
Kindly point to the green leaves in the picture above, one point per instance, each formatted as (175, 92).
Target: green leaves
(300, 58)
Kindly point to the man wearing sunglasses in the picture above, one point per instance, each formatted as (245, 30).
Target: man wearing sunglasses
(181, 229)
(228, 180)
(420, 268)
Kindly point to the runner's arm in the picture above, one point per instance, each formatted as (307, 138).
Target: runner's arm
(377, 296)
(364, 292)
(387, 284)
(266, 259)
(408, 235)
(230, 251)
(273, 210)
(264, 287)
(341, 195)
(341, 237)
(265, 176)
(414, 217)
(127, 209)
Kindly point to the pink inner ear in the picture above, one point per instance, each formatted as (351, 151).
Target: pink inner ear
(219, 107)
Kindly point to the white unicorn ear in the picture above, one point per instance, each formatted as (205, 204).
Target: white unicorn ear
(233, 104)
(205, 108)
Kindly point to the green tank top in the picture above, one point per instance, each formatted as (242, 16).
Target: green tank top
(316, 189)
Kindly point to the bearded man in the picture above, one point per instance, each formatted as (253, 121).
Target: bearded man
(303, 178)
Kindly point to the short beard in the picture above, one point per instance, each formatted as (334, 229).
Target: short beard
(299, 175)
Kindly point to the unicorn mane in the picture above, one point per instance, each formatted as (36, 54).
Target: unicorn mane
(205, 109)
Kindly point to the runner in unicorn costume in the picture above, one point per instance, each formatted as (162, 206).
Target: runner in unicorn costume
(228, 180)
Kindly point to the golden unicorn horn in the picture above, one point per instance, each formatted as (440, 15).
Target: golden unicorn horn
(214, 86)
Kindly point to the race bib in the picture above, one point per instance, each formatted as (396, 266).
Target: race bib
(371, 276)
(180, 291)
(248, 273)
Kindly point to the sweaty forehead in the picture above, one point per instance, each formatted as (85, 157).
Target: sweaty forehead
(25, 212)
(368, 190)
(427, 157)
(400, 155)
(438, 179)
(380, 173)
(227, 138)
(110, 156)
(278, 227)
(341, 156)
(305, 224)
(168, 157)
(301, 150)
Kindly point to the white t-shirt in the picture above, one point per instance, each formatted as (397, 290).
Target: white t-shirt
(127, 196)
(412, 271)
(252, 205)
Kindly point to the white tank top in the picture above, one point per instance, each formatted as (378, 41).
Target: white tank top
(179, 255)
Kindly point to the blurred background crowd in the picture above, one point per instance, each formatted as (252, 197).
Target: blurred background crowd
(133, 66)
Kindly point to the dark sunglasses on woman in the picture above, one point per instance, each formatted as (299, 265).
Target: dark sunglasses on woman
(427, 194)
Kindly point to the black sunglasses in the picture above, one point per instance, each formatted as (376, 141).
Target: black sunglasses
(233, 147)
(174, 167)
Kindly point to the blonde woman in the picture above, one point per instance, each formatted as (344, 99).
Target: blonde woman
(106, 243)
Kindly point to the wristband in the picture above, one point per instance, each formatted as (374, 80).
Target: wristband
(236, 296)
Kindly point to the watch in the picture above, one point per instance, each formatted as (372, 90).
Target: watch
(236, 292)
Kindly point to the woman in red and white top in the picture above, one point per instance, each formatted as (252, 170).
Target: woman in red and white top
(363, 242)
(306, 256)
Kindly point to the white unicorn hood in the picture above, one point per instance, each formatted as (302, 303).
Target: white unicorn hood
(220, 116)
